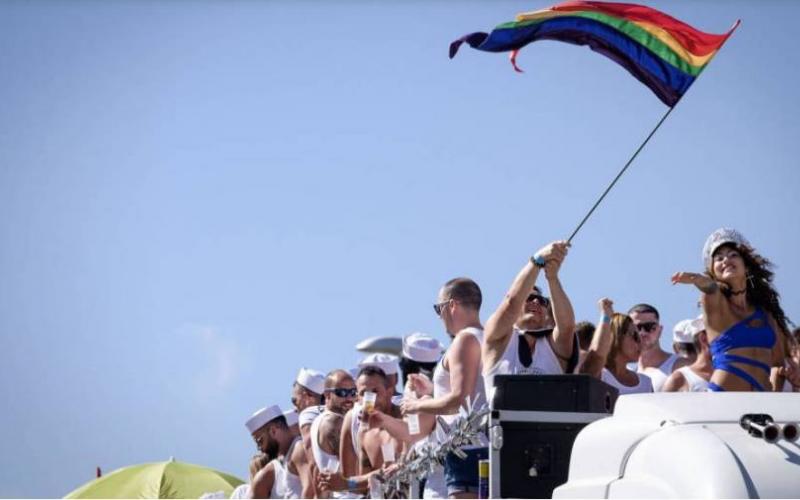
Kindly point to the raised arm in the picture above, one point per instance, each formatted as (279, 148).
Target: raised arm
(501, 324)
(398, 429)
(564, 316)
(601, 341)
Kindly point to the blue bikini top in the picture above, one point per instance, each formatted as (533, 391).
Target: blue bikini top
(752, 331)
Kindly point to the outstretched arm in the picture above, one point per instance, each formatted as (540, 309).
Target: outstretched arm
(501, 324)
(564, 316)
(601, 341)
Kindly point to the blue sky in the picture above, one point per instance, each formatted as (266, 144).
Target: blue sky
(200, 197)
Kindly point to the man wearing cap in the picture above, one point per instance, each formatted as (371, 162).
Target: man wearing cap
(280, 478)
(364, 450)
(654, 362)
(522, 336)
(307, 389)
(695, 377)
(421, 352)
(348, 443)
(683, 344)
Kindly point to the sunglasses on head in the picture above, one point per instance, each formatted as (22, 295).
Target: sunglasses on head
(647, 326)
(541, 299)
(438, 308)
(344, 393)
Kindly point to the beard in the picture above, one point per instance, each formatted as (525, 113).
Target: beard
(271, 450)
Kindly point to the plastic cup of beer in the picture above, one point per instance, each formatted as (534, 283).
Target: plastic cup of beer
(369, 401)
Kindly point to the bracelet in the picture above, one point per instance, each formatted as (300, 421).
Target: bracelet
(537, 260)
(605, 318)
(352, 484)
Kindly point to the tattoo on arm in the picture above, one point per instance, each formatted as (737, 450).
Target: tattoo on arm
(709, 287)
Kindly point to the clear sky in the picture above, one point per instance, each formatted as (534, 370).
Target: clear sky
(197, 198)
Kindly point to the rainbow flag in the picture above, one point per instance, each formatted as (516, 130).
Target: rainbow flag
(662, 52)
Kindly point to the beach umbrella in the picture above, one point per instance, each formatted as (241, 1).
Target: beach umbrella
(170, 479)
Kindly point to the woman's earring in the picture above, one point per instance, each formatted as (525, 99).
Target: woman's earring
(750, 280)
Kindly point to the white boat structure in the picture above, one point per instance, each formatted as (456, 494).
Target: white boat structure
(689, 445)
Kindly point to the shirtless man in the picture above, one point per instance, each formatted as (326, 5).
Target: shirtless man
(370, 438)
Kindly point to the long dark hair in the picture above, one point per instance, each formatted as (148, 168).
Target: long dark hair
(620, 324)
(760, 291)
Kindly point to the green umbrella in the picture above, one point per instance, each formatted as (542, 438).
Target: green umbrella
(158, 480)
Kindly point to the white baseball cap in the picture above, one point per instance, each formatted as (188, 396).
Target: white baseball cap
(422, 348)
(312, 380)
(681, 332)
(386, 362)
(262, 417)
(718, 238)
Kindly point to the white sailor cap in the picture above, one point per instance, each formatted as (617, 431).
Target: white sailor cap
(262, 417)
(308, 415)
(686, 330)
(718, 238)
(422, 348)
(312, 380)
(681, 332)
(291, 417)
(386, 362)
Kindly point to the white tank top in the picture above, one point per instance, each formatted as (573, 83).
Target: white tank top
(659, 375)
(355, 425)
(286, 484)
(695, 381)
(644, 385)
(544, 361)
(323, 459)
(441, 385)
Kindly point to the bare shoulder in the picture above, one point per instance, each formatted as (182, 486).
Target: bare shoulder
(263, 481)
(675, 382)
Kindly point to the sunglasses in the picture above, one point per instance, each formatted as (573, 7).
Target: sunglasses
(542, 300)
(438, 308)
(344, 393)
(647, 326)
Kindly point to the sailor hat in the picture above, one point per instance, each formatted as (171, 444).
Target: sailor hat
(422, 348)
(312, 380)
(386, 362)
(262, 417)
(291, 417)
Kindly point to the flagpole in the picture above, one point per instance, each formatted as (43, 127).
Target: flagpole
(641, 146)
(730, 32)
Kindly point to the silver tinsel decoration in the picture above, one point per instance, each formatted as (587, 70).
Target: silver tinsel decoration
(465, 430)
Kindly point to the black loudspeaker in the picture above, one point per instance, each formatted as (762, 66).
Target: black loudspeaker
(535, 419)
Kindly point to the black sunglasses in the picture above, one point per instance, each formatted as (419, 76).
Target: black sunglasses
(541, 299)
(344, 393)
(437, 308)
(647, 326)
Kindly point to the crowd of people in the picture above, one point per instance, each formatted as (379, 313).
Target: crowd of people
(347, 428)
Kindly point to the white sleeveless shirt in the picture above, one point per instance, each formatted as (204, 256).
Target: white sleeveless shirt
(695, 381)
(322, 458)
(659, 375)
(286, 485)
(544, 361)
(644, 385)
(442, 387)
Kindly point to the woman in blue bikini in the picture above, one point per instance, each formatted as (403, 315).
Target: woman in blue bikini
(745, 323)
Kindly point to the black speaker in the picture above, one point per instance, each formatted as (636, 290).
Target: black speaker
(535, 419)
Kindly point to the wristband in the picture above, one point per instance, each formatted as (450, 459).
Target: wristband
(537, 260)
(605, 319)
(352, 484)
